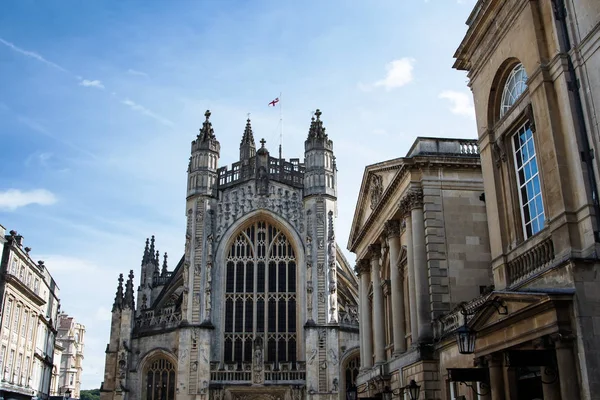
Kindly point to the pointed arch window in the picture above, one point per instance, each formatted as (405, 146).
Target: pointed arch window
(160, 380)
(515, 85)
(260, 295)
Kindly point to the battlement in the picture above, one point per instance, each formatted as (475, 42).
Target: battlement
(288, 172)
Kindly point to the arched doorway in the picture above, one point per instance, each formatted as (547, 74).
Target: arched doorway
(159, 379)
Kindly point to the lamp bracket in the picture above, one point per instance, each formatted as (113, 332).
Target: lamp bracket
(484, 386)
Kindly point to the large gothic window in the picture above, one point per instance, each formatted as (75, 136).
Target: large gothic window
(515, 85)
(260, 295)
(160, 380)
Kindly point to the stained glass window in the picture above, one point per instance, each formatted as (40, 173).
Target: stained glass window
(515, 85)
(160, 380)
(260, 295)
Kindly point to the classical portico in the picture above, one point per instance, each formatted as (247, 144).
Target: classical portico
(413, 263)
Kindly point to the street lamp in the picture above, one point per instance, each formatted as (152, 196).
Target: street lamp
(413, 390)
(465, 338)
(68, 393)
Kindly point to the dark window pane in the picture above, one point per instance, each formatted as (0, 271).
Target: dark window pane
(237, 350)
(260, 316)
(282, 283)
(272, 315)
(292, 277)
(281, 318)
(249, 277)
(229, 315)
(230, 277)
(272, 277)
(239, 315)
(291, 316)
(239, 277)
(260, 277)
(248, 350)
(292, 350)
(271, 351)
(281, 350)
(228, 352)
(249, 317)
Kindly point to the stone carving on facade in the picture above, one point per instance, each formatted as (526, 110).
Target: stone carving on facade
(333, 357)
(239, 202)
(498, 152)
(334, 385)
(375, 190)
(258, 362)
(411, 200)
(311, 359)
(392, 228)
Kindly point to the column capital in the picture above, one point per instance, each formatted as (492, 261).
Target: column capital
(411, 200)
(374, 251)
(392, 228)
(362, 267)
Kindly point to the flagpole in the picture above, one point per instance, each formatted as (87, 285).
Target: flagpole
(280, 125)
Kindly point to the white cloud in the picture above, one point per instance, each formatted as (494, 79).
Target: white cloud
(399, 73)
(12, 199)
(462, 103)
(137, 73)
(141, 109)
(95, 83)
(31, 54)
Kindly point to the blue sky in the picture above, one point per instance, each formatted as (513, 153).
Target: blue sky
(99, 102)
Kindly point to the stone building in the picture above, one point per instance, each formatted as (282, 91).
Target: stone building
(30, 305)
(261, 305)
(421, 241)
(71, 338)
(534, 69)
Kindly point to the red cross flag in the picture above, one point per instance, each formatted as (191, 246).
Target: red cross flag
(272, 103)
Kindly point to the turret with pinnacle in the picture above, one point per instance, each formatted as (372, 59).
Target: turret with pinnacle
(321, 172)
(202, 168)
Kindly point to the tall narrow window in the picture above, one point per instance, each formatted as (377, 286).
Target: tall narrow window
(260, 295)
(515, 85)
(7, 313)
(530, 193)
(160, 380)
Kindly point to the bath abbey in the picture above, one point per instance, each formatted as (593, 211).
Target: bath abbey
(262, 304)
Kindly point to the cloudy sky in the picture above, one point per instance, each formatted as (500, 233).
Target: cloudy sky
(99, 102)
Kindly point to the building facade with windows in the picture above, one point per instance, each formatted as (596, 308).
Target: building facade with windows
(421, 241)
(261, 305)
(30, 304)
(71, 338)
(533, 68)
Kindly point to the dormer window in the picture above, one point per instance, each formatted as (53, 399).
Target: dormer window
(515, 85)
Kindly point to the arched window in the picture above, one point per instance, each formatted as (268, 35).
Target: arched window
(160, 380)
(260, 295)
(515, 85)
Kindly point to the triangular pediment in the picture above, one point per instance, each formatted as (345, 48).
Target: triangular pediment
(377, 181)
(507, 319)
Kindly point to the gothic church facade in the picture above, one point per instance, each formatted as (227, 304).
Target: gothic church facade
(262, 305)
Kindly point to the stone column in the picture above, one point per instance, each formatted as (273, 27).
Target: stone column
(496, 376)
(378, 320)
(421, 270)
(567, 370)
(392, 230)
(410, 265)
(366, 340)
